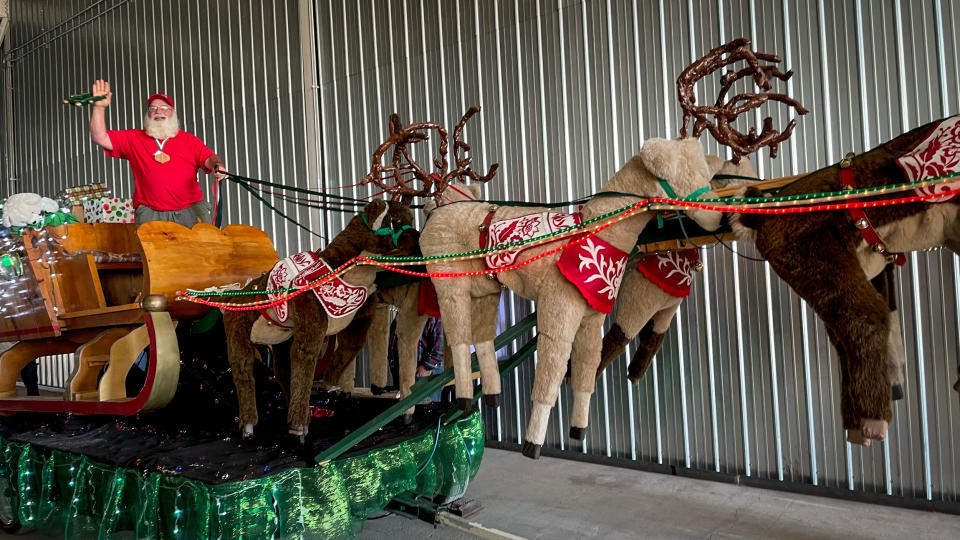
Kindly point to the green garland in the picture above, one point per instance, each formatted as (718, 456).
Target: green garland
(70, 495)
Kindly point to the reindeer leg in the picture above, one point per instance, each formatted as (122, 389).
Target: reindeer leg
(454, 300)
(584, 360)
(884, 283)
(557, 323)
(651, 339)
(856, 317)
(638, 302)
(409, 329)
(484, 331)
(309, 328)
(379, 339)
(896, 357)
(241, 354)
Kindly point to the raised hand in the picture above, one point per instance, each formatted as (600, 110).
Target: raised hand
(102, 88)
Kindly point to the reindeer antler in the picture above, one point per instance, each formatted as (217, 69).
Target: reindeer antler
(402, 163)
(726, 112)
(461, 161)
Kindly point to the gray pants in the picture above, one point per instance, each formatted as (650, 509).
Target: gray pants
(188, 217)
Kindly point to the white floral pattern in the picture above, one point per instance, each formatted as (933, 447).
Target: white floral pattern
(609, 271)
(595, 267)
(337, 297)
(937, 155)
(676, 267)
(523, 228)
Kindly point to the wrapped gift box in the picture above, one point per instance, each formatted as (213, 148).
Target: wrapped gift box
(108, 210)
(79, 194)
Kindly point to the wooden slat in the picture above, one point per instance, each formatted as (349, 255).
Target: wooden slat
(762, 185)
(90, 357)
(177, 258)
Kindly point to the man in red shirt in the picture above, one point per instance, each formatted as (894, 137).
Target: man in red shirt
(163, 158)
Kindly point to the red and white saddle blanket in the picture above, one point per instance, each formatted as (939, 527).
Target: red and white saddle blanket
(594, 266)
(338, 298)
(937, 155)
(671, 271)
(521, 228)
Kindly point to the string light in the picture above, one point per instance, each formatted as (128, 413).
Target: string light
(791, 204)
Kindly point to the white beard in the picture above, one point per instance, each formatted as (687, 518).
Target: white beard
(162, 129)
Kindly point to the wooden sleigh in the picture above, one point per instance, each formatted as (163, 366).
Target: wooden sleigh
(105, 292)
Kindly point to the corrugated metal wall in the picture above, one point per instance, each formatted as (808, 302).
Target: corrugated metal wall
(234, 69)
(747, 382)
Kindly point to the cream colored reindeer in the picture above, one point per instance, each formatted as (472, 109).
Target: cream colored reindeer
(565, 320)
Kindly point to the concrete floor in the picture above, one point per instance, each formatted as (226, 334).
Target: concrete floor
(554, 498)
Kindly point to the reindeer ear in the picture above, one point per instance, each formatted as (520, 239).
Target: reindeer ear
(429, 206)
(714, 164)
(375, 211)
(680, 162)
(476, 190)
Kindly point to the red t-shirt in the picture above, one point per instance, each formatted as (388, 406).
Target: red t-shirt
(162, 186)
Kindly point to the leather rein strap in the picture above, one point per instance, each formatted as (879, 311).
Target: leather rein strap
(860, 219)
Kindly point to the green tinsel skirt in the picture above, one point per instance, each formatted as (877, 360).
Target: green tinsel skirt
(71, 496)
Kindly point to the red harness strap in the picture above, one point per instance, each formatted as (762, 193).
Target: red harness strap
(860, 219)
(485, 233)
(265, 313)
(485, 228)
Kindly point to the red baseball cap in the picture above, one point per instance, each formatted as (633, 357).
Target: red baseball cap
(163, 97)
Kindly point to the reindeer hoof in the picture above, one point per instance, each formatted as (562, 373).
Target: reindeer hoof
(377, 390)
(855, 436)
(578, 433)
(465, 404)
(491, 400)
(531, 450)
(300, 432)
(247, 432)
(897, 391)
(875, 429)
(407, 419)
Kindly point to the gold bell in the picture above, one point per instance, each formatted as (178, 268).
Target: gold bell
(493, 208)
(861, 223)
(481, 227)
(879, 248)
(847, 160)
(699, 266)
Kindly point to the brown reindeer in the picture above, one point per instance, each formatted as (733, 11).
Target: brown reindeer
(379, 228)
(829, 259)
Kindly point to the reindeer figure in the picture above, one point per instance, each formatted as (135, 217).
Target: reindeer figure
(410, 320)
(569, 317)
(822, 256)
(442, 187)
(829, 259)
(469, 304)
(648, 301)
(380, 228)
